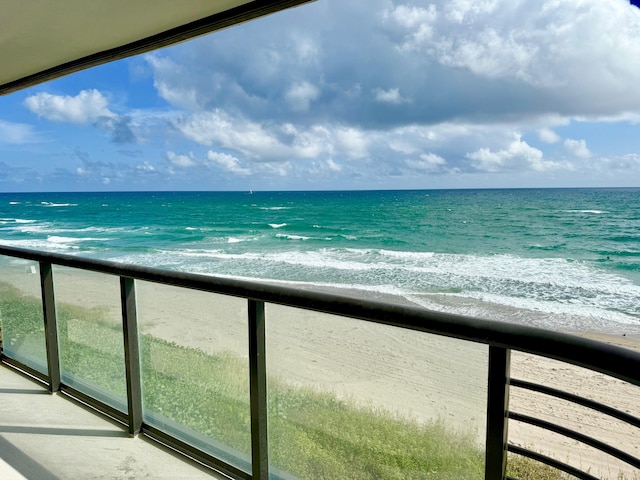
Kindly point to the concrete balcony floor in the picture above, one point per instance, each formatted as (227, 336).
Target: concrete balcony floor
(48, 437)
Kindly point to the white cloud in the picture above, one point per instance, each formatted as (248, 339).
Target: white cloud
(183, 161)
(466, 11)
(166, 73)
(547, 135)
(411, 17)
(333, 166)
(300, 95)
(429, 162)
(622, 163)
(146, 167)
(389, 96)
(493, 60)
(259, 142)
(286, 149)
(517, 156)
(16, 133)
(352, 141)
(489, 54)
(227, 162)
(416, 23)
(577, 148)
(88, 106)
(545, 44)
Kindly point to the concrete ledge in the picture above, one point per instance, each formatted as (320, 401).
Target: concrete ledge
(48, 437)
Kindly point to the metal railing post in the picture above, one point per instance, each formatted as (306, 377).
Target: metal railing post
(131, 354)
(50, 326)
(258, 391)
(497, 411)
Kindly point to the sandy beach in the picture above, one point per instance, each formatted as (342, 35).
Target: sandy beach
(421, 376)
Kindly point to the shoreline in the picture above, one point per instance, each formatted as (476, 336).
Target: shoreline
(420, 376)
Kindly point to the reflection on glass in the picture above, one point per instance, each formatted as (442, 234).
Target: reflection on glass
(90, 334)
(194, 363)
(21, 317)
(353, 399)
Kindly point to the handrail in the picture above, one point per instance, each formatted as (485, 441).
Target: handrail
(501, 338)
(598, 356)
(551, 462)
(552, 427)
(585, 402)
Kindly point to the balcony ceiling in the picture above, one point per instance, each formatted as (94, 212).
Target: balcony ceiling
(44, 39)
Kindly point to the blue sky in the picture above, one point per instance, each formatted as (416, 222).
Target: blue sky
(349, 95)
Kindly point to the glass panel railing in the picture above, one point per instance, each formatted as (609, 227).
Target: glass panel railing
(195, 370)
(21, 317)
(352, 399)
(89, 315)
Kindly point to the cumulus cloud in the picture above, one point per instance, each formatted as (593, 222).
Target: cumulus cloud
(428, 162)
(227, 162)
(333, 166)
(300, 95)
(275, 148)
(547, 135)
(620, 163)
(86, 107)
(577, 148)
(389, 96)
(146, 167)
(445, 87)
(484, 61)
(182, 161)
(541, 43)
(258, 141)
(518, 155)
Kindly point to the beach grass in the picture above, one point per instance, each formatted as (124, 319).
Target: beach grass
(312, 434)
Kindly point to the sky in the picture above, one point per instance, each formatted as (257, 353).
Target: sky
(359, 94)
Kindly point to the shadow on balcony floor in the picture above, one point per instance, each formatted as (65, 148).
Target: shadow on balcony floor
(47, 437)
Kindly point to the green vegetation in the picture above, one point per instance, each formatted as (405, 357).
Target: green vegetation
(524, 468)
(22, 326)
(312, 434)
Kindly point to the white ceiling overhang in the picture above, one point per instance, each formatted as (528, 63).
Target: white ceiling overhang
(45, 39)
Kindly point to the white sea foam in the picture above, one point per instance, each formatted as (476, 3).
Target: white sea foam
(292, 237)
(14, 203)
(37, 244)
(571, 287)
(275, 208)
(39, 228)
(17, 220)
(595, 212)
(51, 204)
(57, 239)
(277, 225)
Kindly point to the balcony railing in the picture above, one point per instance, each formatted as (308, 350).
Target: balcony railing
(500, 338)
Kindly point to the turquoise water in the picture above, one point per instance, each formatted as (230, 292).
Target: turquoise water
(565, 259)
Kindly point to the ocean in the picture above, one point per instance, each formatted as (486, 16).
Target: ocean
(565, 259)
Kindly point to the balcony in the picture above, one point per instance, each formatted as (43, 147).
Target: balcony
(49, 437)
(260, 381)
